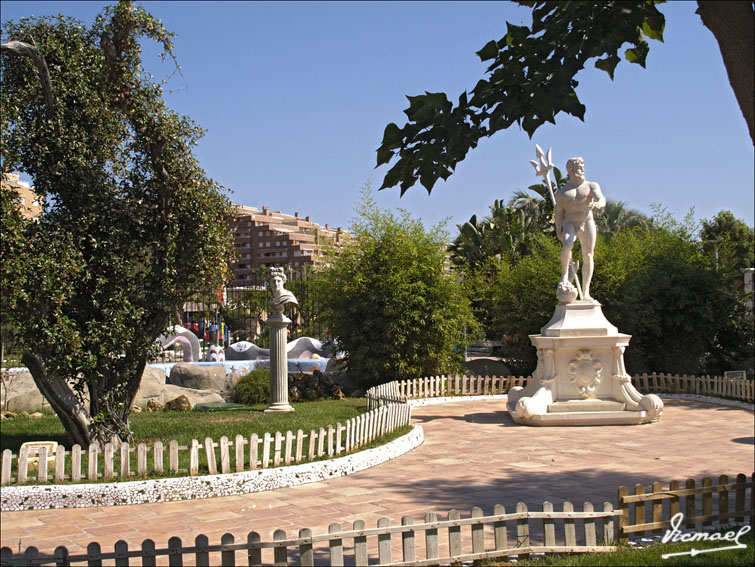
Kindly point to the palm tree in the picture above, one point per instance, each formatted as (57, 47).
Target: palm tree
(616, 216)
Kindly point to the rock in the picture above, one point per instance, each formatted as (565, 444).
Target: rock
(181, 403)
(154, 405)
(136, 409)
(35, 415)
(9, 414)
(294, 394)
(197, 377)
(338, 394)
(30, 400)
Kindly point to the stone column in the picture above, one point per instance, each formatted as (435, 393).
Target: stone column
(277, 326)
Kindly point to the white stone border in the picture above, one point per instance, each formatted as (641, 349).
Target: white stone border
(41, 497)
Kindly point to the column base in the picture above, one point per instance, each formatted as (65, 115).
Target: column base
(281, 407)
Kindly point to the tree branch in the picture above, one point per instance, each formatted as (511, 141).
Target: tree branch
(30, 50)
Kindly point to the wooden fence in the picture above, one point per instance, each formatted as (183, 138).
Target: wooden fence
(700, 509)
(428, 542)
(441, 386)
(241, 454)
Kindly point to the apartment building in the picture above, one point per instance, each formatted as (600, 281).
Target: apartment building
(30, 204)
(265, 238)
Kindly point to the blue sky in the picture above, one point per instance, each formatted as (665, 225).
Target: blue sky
(295, 96)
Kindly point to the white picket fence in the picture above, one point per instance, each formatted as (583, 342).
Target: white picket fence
(241, 454)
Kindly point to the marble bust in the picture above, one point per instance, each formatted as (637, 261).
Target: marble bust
(281, 296)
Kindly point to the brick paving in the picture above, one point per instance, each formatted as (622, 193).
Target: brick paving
(473, 455)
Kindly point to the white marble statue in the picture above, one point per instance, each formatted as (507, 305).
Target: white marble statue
(281, 296)
(575, 203)
(580, 377)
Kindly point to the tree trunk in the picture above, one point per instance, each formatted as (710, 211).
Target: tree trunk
(733, 25)
(72, 414)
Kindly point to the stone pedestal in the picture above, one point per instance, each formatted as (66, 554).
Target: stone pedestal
(277, 326)
(580, 377)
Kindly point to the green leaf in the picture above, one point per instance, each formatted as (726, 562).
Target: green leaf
(391, 135)
(638, 54)
(654, 26)
(384, 155)
(608, 64)
(490, 51)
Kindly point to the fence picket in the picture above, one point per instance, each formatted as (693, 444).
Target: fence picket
(570, 533)
(175, 551)
(94, 554)
(173, 456)
(306, 553)
(125, 461)
(608, 525)
(141, 459)
(280, 552)
(335, 546)
(254, 553)
(299, 445)
(278, 448)
(201, 555)
(549, 527)
(673, 505)
(523, 528)
(254, 446)
(121, 553)
(689, 504)
(288, 448)
(108, 461)
(639, 507)
(407, 541)
(225, 455)
(331, 441)
(723, 501)
(42, 465)
(148, 553)
(339, 434)
(194, 458)
(454, 535)
(707, 501)
(157, 456)
(238, 452)
(209, 449)
(360, 544)
(384, 543)
(431, 536)
(312, 441)
(591, 538)
(266, 439)
(657, 507)
(92, 462)
(227, 556)
(478, 534)
(76, 463)
(60, 464)
(499, 529)
(739, 496)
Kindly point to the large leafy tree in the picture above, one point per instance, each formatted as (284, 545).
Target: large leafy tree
(731, 242)
(131, 224)
(389, 302)
(531, 79)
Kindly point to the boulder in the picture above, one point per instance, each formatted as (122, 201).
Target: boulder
(31, 400)
(197, 377)
(154, 405)
(181, 403)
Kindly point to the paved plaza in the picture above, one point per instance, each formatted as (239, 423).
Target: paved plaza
(473, 455)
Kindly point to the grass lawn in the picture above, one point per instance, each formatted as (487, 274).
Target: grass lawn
(186, 426)
(651, 555)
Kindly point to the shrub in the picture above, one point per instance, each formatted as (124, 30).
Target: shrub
(252, 388)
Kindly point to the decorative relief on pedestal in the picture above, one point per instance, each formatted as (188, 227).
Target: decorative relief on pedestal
(585, 372)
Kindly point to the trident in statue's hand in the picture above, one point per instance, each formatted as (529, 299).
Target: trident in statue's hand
(543, 166)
